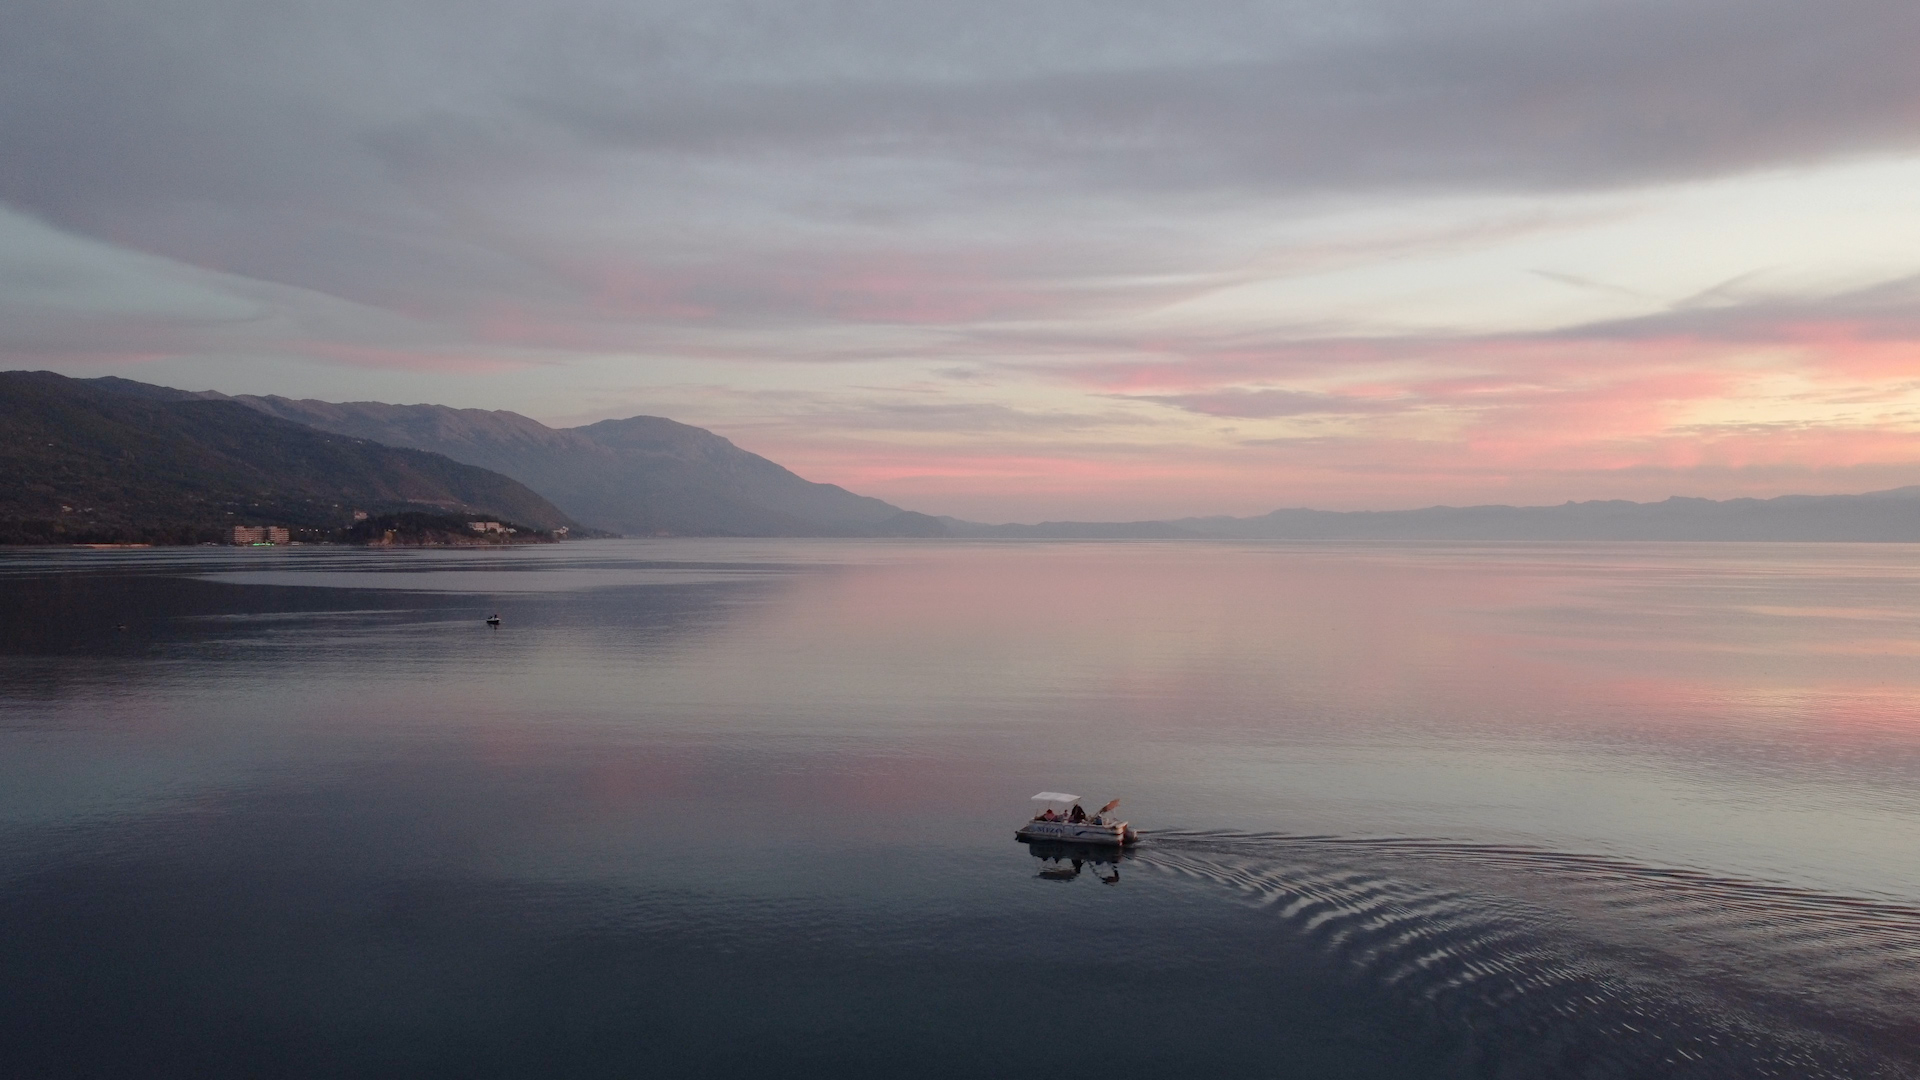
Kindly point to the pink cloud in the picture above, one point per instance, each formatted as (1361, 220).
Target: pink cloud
(638, 292)
(1384, 422)
(884, 288)
(1857, 350)
(449, 359)
(879, 287)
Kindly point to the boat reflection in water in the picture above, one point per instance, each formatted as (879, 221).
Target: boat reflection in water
(1063, 861)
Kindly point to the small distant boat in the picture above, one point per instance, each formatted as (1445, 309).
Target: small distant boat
(493, 620)
(1064, 821)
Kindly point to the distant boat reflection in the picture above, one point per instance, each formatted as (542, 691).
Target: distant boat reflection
(1064, 862)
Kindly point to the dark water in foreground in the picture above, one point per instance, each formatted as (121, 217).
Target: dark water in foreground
(725, 809)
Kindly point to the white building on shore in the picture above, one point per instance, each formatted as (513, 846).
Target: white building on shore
(261, 534)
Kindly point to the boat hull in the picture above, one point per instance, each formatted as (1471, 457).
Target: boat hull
(1113, 834)
(1056, 850)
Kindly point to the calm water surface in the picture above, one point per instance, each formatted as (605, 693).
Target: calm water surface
(746, 808)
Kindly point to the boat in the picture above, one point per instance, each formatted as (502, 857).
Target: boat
(493, 620)
(1056, 822)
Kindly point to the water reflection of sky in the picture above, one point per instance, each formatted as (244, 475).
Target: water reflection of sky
(1691, 695)
(807, 733)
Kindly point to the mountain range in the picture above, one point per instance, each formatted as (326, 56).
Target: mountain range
(1892, 515)
(1879, 515)
(645, 475)
(117, 461)
(109, 457)
(1874, 515)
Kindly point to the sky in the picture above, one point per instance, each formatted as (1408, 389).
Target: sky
(1012, 260)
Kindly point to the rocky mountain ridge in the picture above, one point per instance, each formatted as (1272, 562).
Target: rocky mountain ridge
(643, 475)
(114, 461)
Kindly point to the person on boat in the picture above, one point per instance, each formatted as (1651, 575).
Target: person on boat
(1077, 816)
(1049, 815)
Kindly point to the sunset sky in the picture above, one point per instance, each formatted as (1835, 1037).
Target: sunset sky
(1013, 260)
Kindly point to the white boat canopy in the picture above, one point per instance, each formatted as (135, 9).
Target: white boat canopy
(1055, 796)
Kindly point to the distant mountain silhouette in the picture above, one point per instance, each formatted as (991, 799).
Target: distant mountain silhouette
(1069, 530)
(109, 460)
(644, 475)
(141, 457)
(1881, 515)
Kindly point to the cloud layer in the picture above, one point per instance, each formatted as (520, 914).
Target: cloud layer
(1001, 259)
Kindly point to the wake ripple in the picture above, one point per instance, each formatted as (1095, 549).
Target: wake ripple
(1543, 963)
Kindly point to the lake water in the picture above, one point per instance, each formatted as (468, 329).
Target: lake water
(746, 809)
